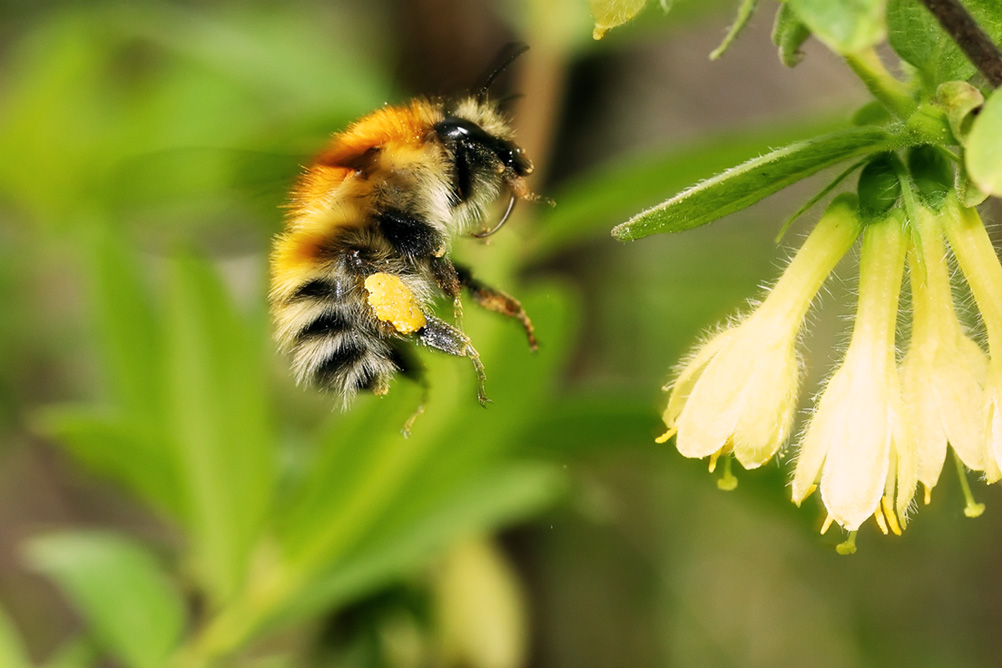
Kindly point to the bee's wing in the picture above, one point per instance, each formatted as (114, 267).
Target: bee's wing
(188, 179)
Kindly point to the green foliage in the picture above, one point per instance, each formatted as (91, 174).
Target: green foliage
(610, 191)
(789, 34)
(745, 12)
(760, 177)
(196, 440)
(845, 26)
(12, 654)
(152, 186)
(917, 37)
(936, 108)
(120, 590)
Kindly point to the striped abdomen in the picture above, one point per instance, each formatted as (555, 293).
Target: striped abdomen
(334, 342)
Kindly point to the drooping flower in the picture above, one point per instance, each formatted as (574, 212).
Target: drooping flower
(738, 392)
(857, 447)
(943, 373)
(980, 266)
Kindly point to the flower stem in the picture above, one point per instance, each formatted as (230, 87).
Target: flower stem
(890, 92)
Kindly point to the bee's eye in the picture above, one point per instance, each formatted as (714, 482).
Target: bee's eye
(454, 130)
(461, 133)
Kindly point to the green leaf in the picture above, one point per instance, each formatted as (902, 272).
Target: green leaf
(988, 14)
(745, 12)
(984, 146)
(845, 26)
(789, 34)
(917, 37)
(129, 335)
(750, 182)
(218, 412)
(588, 205)
(120, 590)
(499, 495)
(108, 445)
(12, 653)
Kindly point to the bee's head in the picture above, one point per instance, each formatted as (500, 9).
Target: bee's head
(481, 146)
(470, 143)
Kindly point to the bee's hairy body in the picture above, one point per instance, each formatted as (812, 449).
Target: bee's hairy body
(385, 199)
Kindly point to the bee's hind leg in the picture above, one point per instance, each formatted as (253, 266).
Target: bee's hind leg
(411, 368)
(440, 335)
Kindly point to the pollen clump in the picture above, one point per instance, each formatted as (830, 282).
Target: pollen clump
(393, 302)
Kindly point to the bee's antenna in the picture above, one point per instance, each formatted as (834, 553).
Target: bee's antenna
(509, 52)
(487, 233)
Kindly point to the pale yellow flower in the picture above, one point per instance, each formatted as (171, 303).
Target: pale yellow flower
(942, 375)
(738, 393)
(857, 446)
(980, 265)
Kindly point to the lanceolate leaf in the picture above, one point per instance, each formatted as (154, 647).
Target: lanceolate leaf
(587, 205)
(221, 432)
(745, 12)
(746, 184)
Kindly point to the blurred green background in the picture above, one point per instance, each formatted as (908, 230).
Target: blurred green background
(169, 497)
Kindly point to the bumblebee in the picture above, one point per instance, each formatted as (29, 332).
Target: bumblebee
(365, 249)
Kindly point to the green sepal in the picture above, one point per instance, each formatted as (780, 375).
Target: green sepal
(931, 173)
(879, 188)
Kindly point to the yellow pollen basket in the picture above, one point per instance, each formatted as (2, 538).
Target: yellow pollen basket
(393, 302)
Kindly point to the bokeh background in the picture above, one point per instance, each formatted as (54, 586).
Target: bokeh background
(144, 151)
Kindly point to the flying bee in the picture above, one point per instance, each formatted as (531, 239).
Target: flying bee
(365, 250)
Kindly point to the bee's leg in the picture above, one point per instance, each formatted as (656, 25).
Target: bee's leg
(442, 336)
(448, 279)
(497, 301)
(411, 368)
